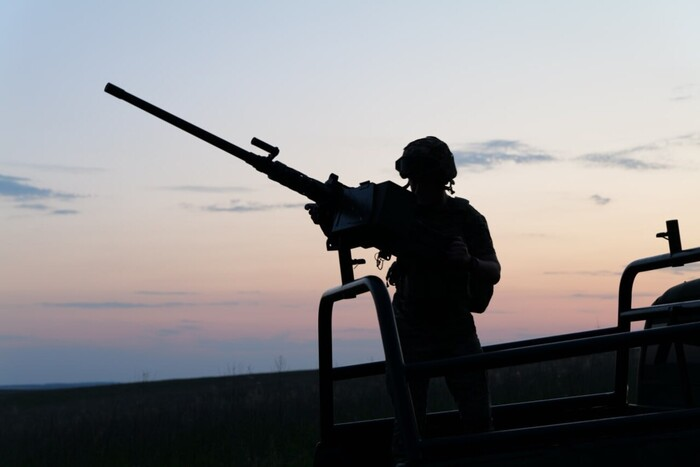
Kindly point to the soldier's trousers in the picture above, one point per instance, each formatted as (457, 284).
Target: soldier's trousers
(469, 389)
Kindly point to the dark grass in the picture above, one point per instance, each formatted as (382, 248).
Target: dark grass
(246, 420)
(251, 420)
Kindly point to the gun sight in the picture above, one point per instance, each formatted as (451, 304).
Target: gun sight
(273, 151)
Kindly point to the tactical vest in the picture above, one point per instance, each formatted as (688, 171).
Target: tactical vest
(432, 291)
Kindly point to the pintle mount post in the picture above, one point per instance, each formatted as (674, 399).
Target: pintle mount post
(673, 235)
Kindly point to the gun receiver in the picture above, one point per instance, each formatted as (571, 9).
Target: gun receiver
(372, 215)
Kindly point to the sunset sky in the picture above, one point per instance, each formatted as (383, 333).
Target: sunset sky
(130, 250)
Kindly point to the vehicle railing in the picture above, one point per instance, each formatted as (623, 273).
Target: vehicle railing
(617, 339)
(626, 314)
(576, 344)
(394, 363)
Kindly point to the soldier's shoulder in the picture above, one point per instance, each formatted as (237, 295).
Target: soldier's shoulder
(459, 203)
(463, 204)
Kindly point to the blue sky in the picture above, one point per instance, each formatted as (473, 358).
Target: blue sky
(128, 247)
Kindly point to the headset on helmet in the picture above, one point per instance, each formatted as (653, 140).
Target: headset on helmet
(427, 157)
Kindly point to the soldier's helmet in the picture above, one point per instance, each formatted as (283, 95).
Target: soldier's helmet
(427, 157)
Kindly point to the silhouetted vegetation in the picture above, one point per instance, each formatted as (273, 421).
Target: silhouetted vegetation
(245, 420)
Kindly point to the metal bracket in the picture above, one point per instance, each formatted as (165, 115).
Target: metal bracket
(673, 236)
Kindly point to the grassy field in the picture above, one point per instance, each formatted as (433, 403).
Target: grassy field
(245, 420)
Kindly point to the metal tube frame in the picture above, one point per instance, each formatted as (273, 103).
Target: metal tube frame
(626, 314)
(395, 367)
(619, 339)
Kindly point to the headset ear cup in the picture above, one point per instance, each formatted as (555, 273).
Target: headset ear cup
(397, 166)
(449, 168)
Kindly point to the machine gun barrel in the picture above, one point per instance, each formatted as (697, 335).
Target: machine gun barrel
(372, 215)
(276, 171)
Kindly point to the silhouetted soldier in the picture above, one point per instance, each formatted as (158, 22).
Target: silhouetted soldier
(435, 298)
(436, 293)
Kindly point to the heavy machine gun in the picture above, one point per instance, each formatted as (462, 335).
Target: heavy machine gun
(601, 428)
(371, 215)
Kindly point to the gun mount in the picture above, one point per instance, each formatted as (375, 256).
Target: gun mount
(371, 215)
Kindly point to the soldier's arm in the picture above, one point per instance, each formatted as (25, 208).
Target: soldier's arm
(484, 265)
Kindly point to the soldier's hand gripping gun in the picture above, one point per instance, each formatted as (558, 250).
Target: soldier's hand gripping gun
(378, 215)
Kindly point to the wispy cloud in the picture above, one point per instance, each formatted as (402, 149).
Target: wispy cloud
(163, 292)
(600, 272)
(600, 200)
(207, 189)
(115, 305)
(185, 326)
(693, 268)
(30, 197)
(72, 169)
(621, 160)
(641, 157)
(18, 189)
(236, 205)
(594, 296)
(683, 92)
(46, 208)
(119, 305)
(654, 155)
(64, 212)
(33, 206)
(488, 154)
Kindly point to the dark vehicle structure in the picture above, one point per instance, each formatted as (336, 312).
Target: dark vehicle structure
(656, 424)
(659, 425)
